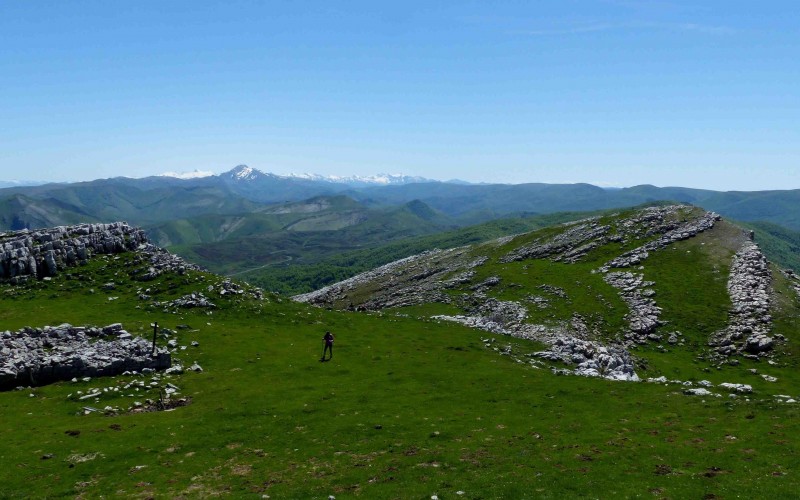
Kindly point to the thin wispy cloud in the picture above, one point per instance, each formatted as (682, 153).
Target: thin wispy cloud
(572, 30)
(704, 28)
(630, 26)
(647, 5)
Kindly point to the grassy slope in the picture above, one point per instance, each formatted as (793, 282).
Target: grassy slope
(780, 244)
(690, 283)
(275, 272)
(260, 241)
(294, 278)
(268, 418)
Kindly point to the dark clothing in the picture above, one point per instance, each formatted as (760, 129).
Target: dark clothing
(328, 338)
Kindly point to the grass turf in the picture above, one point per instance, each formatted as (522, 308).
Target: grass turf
(406, 409)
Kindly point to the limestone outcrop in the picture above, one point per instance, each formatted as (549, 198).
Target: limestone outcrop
(749, 319)
(592, 359)
(45, 252)
(413, 280)
(38, 356)
(643, 313)
(657, 222)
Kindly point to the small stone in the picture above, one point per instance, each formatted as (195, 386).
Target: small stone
(697, 392)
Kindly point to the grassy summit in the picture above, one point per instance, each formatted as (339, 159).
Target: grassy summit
(411, 407)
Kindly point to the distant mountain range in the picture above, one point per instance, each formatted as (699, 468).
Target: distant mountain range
(5, 184)
(242, 190)
(245, 173)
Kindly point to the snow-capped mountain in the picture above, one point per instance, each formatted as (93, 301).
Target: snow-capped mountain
(364, 180)
(244, 173)
(196, 174)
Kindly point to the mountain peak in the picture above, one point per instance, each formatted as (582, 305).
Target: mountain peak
(244, 173)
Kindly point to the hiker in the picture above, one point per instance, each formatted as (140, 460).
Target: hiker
(328, 339)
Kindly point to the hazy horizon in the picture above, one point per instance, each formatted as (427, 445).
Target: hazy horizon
(194, 174)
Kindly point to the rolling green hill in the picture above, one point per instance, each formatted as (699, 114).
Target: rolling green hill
(409, 406)
(642, 278)
(294, 277)
(296, 233)
(19, 211)
(141, 201)
(474, 203)
(315, 214)
(781, 245)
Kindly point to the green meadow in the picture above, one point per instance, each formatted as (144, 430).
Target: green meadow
(407, 408)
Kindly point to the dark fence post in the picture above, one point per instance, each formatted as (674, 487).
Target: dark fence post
(155, 330)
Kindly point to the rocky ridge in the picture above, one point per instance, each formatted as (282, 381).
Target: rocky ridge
(44, 252)
(592, 359)
(656, 220)
(417, 280)
(568, 246)
(749, 320)
(423, 270)
(643, 312)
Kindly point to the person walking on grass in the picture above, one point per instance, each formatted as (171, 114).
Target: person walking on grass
(328, 339)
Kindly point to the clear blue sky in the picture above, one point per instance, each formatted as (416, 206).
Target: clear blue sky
(611, 92)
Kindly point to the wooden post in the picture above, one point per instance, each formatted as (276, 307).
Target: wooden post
(155, 330)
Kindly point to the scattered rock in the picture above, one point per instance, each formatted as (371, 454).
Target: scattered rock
(740, 388)
(592, 359)
(189, 301)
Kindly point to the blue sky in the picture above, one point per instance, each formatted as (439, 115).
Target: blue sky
(611, 92)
